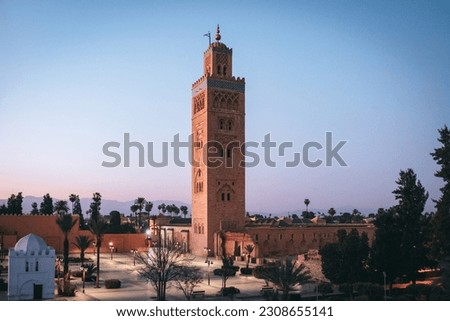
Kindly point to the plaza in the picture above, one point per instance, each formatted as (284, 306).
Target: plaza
(135, 288)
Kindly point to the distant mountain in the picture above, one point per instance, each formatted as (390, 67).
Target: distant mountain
(106, 207)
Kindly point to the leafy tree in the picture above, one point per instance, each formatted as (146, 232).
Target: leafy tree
(169, 209)
(46, 207)
(162, 208)
(77, 206)
(19, 202)
(187, 279)
(14, 204)
(441, 220)
(114, 219)
(61, 207)
(226, 271)
(65, 222)
(184, 210)
(82, 242)
(160, 266)
(386, 248)
(286, 274)
(308, 215)
(307, 202)
(95, 206)
(412, 198)
(332, 211)
(76, 209)
(34, 207)
(3, 209)
(98, 228)
(346, 261)
(345, 217)
(11, 204)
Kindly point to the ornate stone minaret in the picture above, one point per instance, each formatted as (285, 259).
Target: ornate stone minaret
(218, 130)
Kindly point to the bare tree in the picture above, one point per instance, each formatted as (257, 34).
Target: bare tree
(189, 277)
(160, 266)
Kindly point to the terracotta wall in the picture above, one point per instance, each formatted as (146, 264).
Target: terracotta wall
(15, 227)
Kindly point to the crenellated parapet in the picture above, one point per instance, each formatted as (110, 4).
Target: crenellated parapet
(48, 252)
(239, 80)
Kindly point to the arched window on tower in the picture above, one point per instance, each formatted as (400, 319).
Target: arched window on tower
(230, 125)
(219, 69)
(224, 70)
(221, 124)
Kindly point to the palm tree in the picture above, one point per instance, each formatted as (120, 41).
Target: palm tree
(184, 210)
(285, 275)
(249, 249)
(72, 199)
(140, 203)
(98, 228)
(82, 242)
(134, 208)
(307, 203)
(34, 207)
(148, 207)
(332, 211)
(65, 223)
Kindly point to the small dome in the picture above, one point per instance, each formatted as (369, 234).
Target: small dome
(29, 243)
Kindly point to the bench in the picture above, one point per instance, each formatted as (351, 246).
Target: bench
(198, 294)
(266, 290)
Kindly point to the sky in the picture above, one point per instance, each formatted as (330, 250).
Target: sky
(75, 75)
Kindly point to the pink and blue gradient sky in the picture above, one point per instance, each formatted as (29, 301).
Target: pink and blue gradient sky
(77, 74)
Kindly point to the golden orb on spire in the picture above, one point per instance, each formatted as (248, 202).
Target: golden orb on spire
(218, 37)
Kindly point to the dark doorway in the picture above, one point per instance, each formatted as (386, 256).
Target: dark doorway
(37, 291)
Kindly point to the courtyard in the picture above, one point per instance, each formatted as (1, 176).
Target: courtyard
(134, 288)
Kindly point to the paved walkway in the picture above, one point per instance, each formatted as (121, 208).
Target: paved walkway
(134, 288)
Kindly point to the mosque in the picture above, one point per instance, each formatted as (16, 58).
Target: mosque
(219, 225)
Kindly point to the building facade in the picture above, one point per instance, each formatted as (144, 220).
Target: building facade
(218, 131)
(31, 269)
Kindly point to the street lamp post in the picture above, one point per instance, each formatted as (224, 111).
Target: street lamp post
(384, 284)
(111, 247)
(209, 262)
(134, 251)
(83, 270)
(95, 246)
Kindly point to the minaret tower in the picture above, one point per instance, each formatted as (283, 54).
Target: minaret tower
(218, 131)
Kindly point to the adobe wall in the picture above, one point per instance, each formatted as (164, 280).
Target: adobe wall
(276, 241)
(14, 227)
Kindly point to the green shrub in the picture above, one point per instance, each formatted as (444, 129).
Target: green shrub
(372, 291)
(229, 291)
(246, 271)
(420, 292)
(112, 284)
(325, 288)
(227, 272)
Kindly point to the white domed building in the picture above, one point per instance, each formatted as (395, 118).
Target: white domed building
(31, 269)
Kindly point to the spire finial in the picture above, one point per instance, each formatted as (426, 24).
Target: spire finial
(218, 37)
